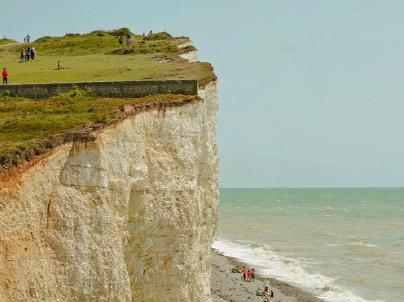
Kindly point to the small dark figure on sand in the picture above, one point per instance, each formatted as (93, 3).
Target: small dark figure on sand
(266, 284)
(5, 76)
(253, 274)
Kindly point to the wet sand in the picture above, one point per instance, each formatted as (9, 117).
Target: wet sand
(227, 286)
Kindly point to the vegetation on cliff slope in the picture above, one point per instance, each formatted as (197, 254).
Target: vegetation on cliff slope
(97, 56)
(24, 122)
(7, 41)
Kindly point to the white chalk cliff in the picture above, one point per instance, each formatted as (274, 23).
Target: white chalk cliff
(191, 56)
(128, 217)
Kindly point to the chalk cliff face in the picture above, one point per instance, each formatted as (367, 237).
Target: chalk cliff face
(191, 56)
(128, 217)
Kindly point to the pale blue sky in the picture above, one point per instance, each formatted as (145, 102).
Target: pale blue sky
(311, 92)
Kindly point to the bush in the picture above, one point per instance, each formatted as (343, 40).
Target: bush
(143, 48)
(120, 32)
(7, 41)
(44, 39)
(186, 49)
(115, 32)
(101, 118)
(77, 92)
(159, 36)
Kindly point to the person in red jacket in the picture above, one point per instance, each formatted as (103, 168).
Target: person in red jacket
(5, 76)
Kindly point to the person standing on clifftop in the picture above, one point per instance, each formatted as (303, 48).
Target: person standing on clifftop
(5, 76)
(28, 54)
(32, 53)
(128, 40)
(22, 55)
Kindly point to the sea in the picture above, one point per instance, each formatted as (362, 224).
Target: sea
(341, 244)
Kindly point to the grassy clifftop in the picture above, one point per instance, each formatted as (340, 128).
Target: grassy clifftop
(25, 122)
(97, 56)
(5, 41)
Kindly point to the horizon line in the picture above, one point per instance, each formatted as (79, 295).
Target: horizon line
(287, 187)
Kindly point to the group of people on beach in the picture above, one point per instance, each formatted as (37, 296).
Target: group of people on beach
(28, 54)
(249, 276)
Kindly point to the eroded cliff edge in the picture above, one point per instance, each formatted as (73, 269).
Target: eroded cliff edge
(128, 217)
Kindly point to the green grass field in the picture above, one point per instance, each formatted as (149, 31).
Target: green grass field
(7, 41)
(24, 122)
(98, 57)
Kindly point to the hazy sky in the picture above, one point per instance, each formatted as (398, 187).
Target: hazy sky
(311, 92)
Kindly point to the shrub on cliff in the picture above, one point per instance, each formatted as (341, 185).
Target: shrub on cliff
(186, 49)
(7, 41)
(77, 92)
(159, 36)
(124, 31)
(44, 39)
(146, 48)
(97, 41)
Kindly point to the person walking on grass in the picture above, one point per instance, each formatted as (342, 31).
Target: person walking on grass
(22, 55)
(28, 54)
(5, 76)
(120, 41)
(128, 41)
(32, 53)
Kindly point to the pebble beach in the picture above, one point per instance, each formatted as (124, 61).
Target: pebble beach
(227, 286)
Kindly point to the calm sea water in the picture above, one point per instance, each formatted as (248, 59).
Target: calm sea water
(342, 244)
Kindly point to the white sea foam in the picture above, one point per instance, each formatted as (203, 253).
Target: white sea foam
(271, 264)
(353, 244)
